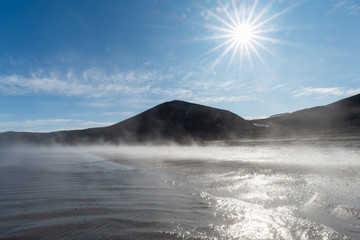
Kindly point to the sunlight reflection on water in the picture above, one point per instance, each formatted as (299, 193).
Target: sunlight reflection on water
(171, 192)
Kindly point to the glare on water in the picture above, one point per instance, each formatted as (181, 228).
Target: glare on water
(246, 191)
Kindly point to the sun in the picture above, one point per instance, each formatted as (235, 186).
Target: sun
(243, 34)
(243, 29)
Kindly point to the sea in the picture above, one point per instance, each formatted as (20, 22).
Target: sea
(220, 190)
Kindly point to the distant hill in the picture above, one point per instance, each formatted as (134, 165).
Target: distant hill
(176, 121)
(339, 118)
(184, 122)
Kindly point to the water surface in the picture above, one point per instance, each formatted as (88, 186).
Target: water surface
(223, 191)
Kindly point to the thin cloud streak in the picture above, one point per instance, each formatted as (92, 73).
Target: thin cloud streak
(207, 100)
(350, 7)
(335, 91)
(47, 125)
(90, 83)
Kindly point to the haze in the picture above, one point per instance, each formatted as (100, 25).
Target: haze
(248, 190)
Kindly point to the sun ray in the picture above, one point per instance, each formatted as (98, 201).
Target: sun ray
(234, 53)
(241, 54)
(251, 46)
(242, 28)
(270, 30)
(249, 56)
(251, 12)
(217, 37)
(274, 16)
(274, 40)
(221, 20)
(266, 49)
(232, 56)
(257, 54)
(236, 12)
(218, 47)
(219, 28)
(259, 16)
(243, 13)
(227, 13)
(217, 60)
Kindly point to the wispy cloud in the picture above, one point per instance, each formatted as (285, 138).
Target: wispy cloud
(89, 83)
(207, 100)
(99, 88)
(95, 104)
(335, 91)
(353, 91)
(204, 97)
(173, 93)
(47, 125)
(128, 114)
(351, 7)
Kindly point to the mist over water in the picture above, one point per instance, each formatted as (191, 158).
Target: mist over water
(221, 191)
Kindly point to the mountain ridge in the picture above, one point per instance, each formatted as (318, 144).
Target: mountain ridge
(183, 122)
(340, 117)
(175, 121)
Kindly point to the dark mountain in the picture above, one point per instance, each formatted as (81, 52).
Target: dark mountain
(176, 121)
(339, 118)
(184, 122)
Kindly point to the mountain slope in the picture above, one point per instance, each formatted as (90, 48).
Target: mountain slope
(171, 121)
(178, 120)
(184, 122)
(339, 118)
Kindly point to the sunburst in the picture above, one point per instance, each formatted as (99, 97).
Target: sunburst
(243, 30)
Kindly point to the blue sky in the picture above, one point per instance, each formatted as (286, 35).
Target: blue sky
(80, 64)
